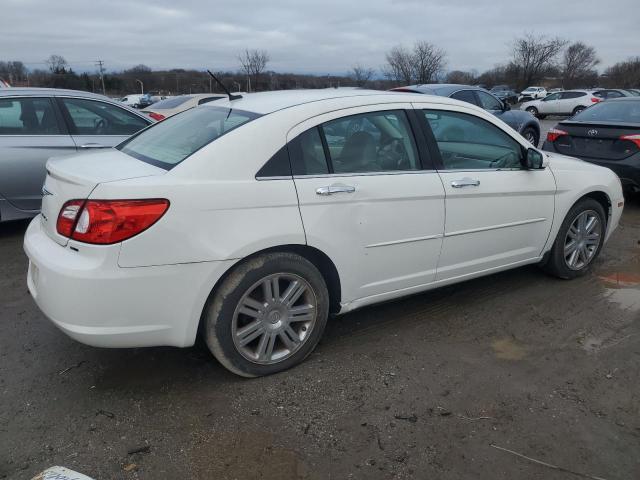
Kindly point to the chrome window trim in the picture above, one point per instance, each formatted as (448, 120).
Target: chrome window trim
(366, 174)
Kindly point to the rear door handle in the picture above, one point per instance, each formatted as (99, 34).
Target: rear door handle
(93, 145)
(465, 182)
(331, 189)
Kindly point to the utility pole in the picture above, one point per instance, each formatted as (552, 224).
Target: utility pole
(141, 86)
(100, 65)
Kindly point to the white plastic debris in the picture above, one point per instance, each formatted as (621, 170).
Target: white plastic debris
(60, 473)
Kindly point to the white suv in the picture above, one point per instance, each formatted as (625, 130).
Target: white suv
(568, 102)
(250, 220)
(532, 93)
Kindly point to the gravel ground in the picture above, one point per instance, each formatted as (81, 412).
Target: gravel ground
(419, 388)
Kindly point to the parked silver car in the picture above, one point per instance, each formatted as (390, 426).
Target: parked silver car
(39, 123)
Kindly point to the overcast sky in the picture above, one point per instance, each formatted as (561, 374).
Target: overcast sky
(327, 36)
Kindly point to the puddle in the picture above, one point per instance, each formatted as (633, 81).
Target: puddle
(621, 279)
(508, 349)
(623, 289)
(627, 299)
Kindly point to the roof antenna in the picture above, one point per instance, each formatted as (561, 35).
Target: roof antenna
(231, 96)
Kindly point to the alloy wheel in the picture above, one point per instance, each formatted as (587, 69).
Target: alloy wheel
(274, 318)
(582, 240)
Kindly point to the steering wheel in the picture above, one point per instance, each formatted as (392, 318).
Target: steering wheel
(503, 161)
(101, 126)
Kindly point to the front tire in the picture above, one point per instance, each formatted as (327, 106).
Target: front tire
(578, 109)
(533, 111)
(579, 240)
(267, 315)
(532, 135)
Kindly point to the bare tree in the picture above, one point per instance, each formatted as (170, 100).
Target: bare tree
(624, 74)
(534, 55)
(578, 64)
(458, 76)
(428, 62)
(254, 62)
(361, 75)
(399, 65)
(57, 64)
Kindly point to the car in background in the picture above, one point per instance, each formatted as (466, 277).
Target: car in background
(504, 93)
(532, 93)
(4, 84)
(165, 108)
(567, 102)
(39, 123)
(633, 91)
(524, 124)
(607, 134)
(237, 222)
(608, 93)
(150, 98)
(554, 90)
(132, 100)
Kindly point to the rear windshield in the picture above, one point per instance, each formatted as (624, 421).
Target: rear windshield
(611, 111)
(171, 102)
(169, 142)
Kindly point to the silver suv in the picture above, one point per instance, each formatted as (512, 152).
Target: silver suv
(39, 123)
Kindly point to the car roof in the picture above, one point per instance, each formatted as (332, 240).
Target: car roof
(31, 91)
(269, 102)
(442, 89)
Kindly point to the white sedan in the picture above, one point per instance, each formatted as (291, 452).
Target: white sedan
(250, 221)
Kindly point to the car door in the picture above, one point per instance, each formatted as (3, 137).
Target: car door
(95, 124)
(549, 105)
(497, 213)
(31, 131)
(369, 198)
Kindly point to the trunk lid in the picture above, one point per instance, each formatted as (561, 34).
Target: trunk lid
(596, 140)
(75, 177)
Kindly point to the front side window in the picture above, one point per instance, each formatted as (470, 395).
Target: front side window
(467, 142)
(572, 95)
(169, 142)
(489, 102)
(91, 117)
(549, 98)
(371, 142)
(28, 116)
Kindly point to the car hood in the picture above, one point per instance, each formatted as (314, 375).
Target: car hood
(564, 162)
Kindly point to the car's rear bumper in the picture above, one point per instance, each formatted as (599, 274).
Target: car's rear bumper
(93, 300)
(628, 169)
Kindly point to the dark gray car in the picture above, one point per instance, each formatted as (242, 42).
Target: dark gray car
(39, 123)
(523, 122)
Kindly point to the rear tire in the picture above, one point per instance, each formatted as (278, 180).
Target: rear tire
(579, 240)
(533, 111)
(267, 315)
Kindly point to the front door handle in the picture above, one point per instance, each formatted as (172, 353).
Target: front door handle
(93, 145)
(465, 182)
(331, 189)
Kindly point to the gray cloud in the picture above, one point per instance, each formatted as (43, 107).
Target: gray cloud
(318, 37)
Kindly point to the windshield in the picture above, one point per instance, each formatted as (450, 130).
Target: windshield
(171, 102)
(169, 142)
(617, 111)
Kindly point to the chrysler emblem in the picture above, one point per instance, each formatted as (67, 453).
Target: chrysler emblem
(592, 133)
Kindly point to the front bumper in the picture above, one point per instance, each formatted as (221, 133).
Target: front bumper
(627, 169)
(89, 297)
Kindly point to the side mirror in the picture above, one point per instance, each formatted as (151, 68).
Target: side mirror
(505, 106)
(534, 160)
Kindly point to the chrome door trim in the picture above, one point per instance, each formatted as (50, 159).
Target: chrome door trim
(494, 227)
(406, 240)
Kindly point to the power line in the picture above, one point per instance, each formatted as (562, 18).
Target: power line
(100, 65)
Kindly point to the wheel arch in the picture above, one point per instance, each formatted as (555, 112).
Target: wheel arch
(602, 198)
(317, 257)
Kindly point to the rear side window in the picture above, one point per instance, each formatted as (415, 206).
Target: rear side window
(570, 95)
(169, 142)
(307, 154)
(466, 96)
(489, 102)
(90, 117)
(28, 116)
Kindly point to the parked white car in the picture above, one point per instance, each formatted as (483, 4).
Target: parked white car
(532, 93)
(131, 100)
(170, 106)
(568, 102)
(252, 220)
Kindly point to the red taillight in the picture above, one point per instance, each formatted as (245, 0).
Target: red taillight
(595, 100)
(157, 116)
(632, 138)
(554, 134)
(108, 221)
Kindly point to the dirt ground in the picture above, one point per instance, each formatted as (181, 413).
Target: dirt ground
(419, 388)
